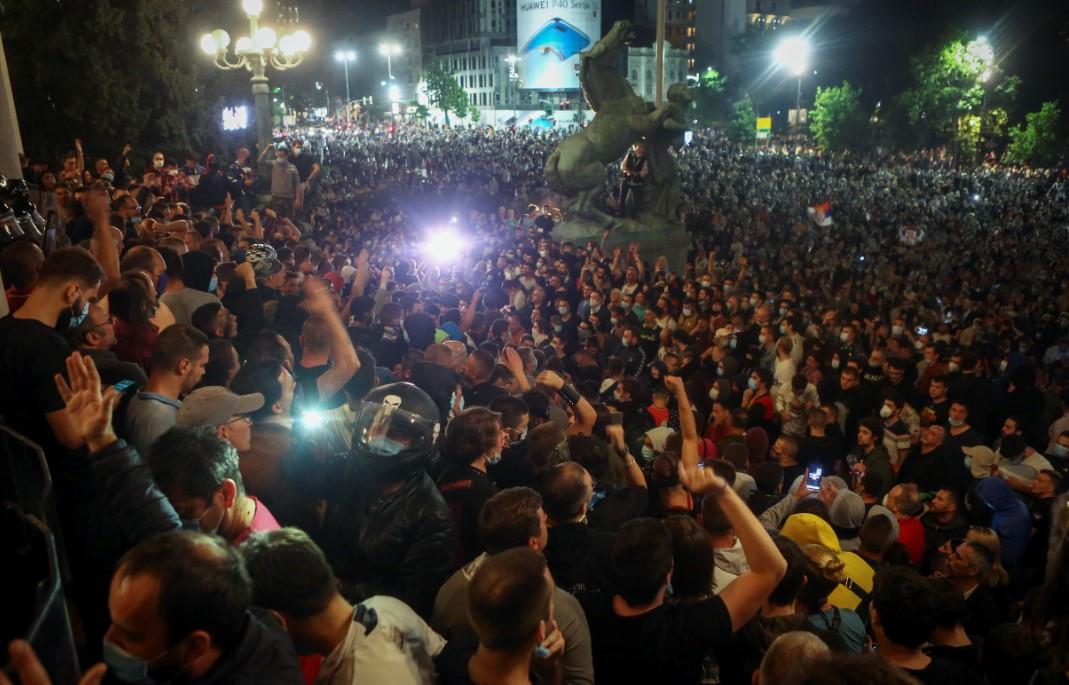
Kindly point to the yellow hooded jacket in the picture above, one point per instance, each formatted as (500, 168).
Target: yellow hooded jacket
(807, 529)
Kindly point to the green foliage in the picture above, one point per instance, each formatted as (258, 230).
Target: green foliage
(709, 104)
(444, 93)
(110, 72)
(1041, 141)
(422, 112)
(950, 83)
(743, 125)
(837, 121)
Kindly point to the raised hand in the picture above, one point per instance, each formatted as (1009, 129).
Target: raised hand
(28, 667)
(89, 409)
(550, 379)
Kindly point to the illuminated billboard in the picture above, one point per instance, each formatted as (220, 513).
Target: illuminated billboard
(550, 34)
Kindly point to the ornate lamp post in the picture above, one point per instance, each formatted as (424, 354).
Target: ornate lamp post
(254, 52)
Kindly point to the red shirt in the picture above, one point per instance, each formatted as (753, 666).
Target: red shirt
(16, 298)
(262, 522)
(911, 534)
(659, 416)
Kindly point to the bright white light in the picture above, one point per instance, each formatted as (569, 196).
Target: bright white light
(392, 49)
(235, 118)
(252, 7)
(312, 419)
(395, 93)
(222, 38)
(265, 38)
(443, 245)
(208, 44)
(244, 44)
(981, 50)
(286, 45)
(302, 40)
(985, 74)
(793, 54)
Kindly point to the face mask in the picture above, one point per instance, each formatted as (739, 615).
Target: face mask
(782, 329)
(647, 453)
(720, 371)
(595, 307)
(493, 459)
(844, 336)
(954, 367)
(885, 412)
(834, 363)
(558, 328)
(714, 392)
(751, 384)
(1002, 366)
(955, 423)
(296, 151)
(523, 436)
(108, 176)
(762, 338)
(896, 330)
(687, 311)
(783, 311)
(384, 445)
(968, 463)
(733, 344)
(563, 311)
(79, 318)
(640, 311)
(918, 344)
(127, 667)
(213, 284)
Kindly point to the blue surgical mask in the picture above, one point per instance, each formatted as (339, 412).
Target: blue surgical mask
(79, 318)
(493, 459)
(751, 384)
(213, 284)
(1061, 451)
(734, 343)
(647, 453)
(968, 463)
(127, 667)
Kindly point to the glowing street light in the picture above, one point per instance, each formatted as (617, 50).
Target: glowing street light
(792, 54)
(983, 56)
(390, 50)
(345, 56)
(254, 52)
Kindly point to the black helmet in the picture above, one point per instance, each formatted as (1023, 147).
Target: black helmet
(394, 431)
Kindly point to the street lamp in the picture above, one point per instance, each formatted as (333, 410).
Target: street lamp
(254, 52)
(514, 77)
(345, 56)
(983, 58)
(793, 55)
(390, 50)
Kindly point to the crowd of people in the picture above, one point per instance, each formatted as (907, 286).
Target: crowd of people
(294, 435)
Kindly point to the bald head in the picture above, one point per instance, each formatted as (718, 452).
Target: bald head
(566, 490)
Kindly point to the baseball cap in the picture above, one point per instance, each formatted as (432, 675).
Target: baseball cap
(214, 405)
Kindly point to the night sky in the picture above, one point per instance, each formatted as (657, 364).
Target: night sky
(871, 46)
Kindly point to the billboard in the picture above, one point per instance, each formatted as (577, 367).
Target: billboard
(550, 34)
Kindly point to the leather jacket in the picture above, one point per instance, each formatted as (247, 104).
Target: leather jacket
(401, 544)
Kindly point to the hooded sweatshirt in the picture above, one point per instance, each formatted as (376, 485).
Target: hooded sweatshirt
(1010, 519)
(807, 529)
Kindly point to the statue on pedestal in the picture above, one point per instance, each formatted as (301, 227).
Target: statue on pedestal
(576, 169)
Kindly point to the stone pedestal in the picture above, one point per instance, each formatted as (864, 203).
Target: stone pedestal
(656, 235)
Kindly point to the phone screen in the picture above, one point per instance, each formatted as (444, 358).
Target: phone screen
(812, 481)
(123, 385)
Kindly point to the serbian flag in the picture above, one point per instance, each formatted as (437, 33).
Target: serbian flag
(820, 214)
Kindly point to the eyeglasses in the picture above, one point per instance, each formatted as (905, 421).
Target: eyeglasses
(109, 322)
(244, 418)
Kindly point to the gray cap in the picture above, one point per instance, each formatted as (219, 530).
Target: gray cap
(214, 405)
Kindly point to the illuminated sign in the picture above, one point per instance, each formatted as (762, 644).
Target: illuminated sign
(235, 118)
(550, 34)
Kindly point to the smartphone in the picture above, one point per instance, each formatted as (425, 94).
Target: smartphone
(812, 481)
(558, 37)
(616, 418)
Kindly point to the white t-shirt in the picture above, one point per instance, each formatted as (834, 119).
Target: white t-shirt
(386, 643)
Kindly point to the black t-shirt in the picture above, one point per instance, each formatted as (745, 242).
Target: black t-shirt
(304, 163)
(307, 378)
(666, 645)
(31, 353)
(465, 489)
(940, 672)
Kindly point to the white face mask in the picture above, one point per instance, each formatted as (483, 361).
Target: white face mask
(886, 411)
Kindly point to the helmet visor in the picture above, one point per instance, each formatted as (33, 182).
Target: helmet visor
(385, 430)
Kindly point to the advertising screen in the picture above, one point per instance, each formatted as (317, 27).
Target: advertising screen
(550, 34)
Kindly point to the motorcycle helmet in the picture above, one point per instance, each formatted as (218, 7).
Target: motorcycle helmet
(264, 260)
(394, 431)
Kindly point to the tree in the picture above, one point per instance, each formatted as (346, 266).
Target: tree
(961, 78)
(109, 71)
(837, 121)
(743, 125)
(422, 113)
(445, 93)
(709, 104)
(1041, 142)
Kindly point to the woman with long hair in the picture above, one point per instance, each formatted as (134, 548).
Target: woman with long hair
(132, 305)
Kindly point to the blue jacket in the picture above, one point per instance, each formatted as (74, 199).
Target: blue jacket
(1010, 520)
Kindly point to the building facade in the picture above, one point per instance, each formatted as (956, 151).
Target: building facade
(403, 30)
(716, 24)
(642, 70)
